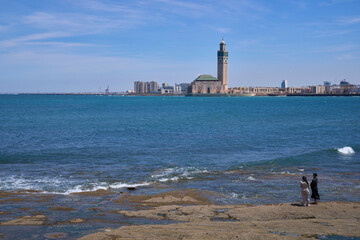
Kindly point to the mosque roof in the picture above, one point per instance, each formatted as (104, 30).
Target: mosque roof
(206, 77)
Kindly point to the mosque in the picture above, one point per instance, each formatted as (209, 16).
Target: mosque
(205, 84)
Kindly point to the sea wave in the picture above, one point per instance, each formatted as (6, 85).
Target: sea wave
(102, 186)
(346, 150)
(251, 178)
(59, 185)
(177, 174)
(21, 183)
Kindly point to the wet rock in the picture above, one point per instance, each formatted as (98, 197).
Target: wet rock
(58, 208)
(7, 194)
(4, 213)
(12, 200)
(95, 209)
(76, 220)
(131, 188)
(100, 192)
(26, 220)
(55, 235)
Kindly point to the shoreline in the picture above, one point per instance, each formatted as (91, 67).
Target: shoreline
(180, 214)
(189, 95)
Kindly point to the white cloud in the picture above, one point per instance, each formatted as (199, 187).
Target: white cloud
(347, 56)
(183, 4)
(80, 24)
(100, 6)
(348, 20)
(333, 2)
(332, 33)
(32, 37)
(63, 44)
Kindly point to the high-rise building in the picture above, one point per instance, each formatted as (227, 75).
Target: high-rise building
(139, 87)
(284, 84)
(146, 87)
(152, 87)
(327, 83)
(223, 59)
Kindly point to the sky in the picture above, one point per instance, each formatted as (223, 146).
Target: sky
(87, 45)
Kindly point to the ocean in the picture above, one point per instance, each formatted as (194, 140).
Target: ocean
(242, 150)
(249, 149)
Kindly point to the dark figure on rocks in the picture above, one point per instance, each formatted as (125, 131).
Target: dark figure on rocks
(314, 188)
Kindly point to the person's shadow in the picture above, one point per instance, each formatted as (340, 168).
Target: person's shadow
(297, 204)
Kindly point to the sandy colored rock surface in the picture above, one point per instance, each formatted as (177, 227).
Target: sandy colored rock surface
(59, 208)
(10, 200)
(55, 235)
(27, 220)
(277, 221)
(186, 197)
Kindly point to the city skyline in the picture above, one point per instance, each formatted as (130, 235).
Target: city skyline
(82, 46)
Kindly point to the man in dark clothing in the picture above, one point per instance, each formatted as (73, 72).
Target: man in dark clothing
(314, 189)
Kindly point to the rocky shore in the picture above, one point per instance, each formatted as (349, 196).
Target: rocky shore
(187, 214)
(199, 219)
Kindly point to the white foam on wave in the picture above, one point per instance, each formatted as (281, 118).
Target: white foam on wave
(20, 183)
(346, 151)
(59, 185)
(251, 178)
(125, 185)
(174, 179)
(236, 195)
(103, 186)
(177, 173)
(287, 173)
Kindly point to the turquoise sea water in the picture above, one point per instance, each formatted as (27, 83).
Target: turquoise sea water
(246, 149)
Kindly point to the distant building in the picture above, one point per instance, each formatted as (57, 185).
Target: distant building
(284, 84)
(326, 83)
(146, 87)
(344, 82)
(184, 87)
(152, 87)
(265, 91)
(297, 90)
(167, 90)
(139, 87)
(222, 71)
(320, 89)
(208, 84)
(177, 89)
(240, 90)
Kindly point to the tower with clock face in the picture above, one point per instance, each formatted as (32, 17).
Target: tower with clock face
(223, 58)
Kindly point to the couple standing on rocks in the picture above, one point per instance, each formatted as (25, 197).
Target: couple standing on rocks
(305, 192)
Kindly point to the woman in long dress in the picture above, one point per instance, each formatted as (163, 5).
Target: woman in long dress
(314, 189)
(305, 192)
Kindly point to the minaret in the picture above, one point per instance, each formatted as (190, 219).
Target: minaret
(222, 57)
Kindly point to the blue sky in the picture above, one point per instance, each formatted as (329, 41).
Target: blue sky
(85, 45)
